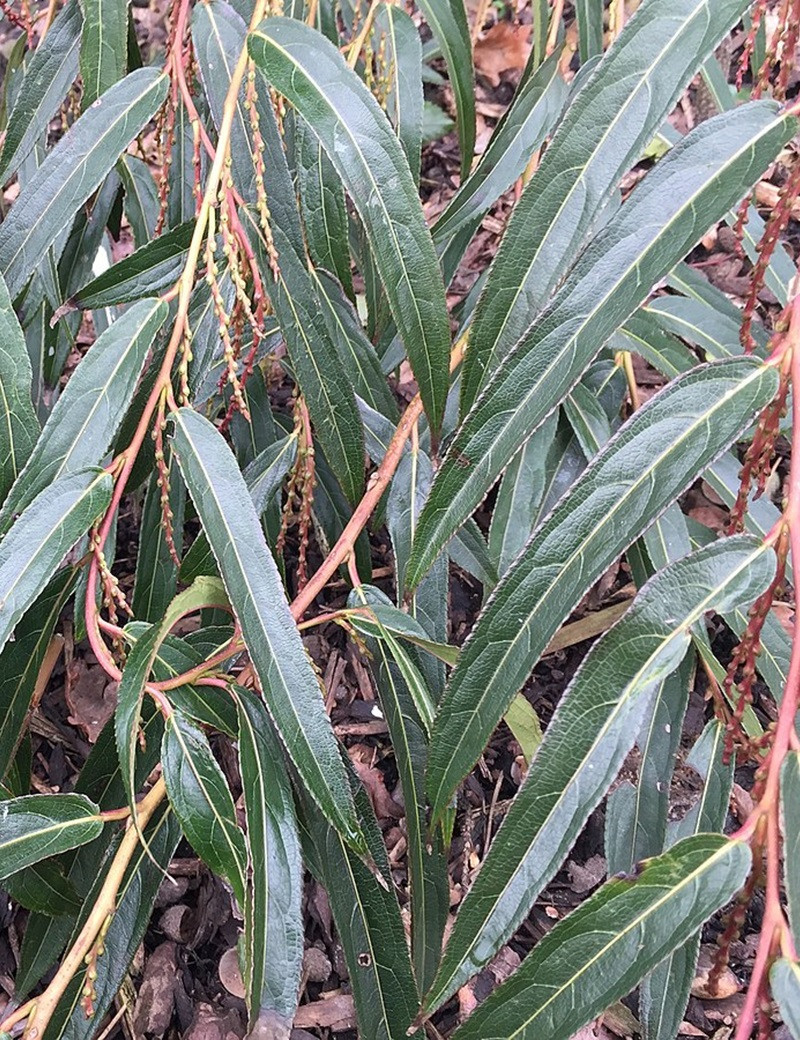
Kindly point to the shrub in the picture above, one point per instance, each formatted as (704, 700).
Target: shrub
(234, 391)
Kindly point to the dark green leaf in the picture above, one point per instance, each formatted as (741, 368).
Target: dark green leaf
(43, 534)
(49, 74)
(73, 169)
(636, 815)
(44, 889)
(603, 132)
(324, 381)
(19, 426)
(448, 22)
(154, 267)
(156, 578)
(89, 412)
(664, 993)
(141, 199)
(679, 432)
(292, 691)
(137, 894)
(323, 206)
(37, 826)
(688, 190)
(354, 131)
(104, 47)
(273, 940)
(368, 923)
(521, 130)
(519, 495)
(199, 795)
(203, 593)
(356, 352)
(587, 741)
(21, 660)
(600, 951)
(589, 14)
(402, 54)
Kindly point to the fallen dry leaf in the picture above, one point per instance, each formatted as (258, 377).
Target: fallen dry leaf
(156, 998)
(503, 48)
(372, 778)
(210, 1024)
(90, 697)
(588, 875)
(230, 974)
(335, 1011)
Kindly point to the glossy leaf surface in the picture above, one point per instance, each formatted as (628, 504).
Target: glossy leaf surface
(367, 156)
(640, 471)
(585, 744)
(600, 951)
(254, 587)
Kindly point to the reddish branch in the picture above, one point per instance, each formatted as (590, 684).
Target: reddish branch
(763, 826)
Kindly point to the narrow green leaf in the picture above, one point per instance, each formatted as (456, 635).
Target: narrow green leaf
(265, 473)
(587, 740)
(19, 426)
(448, 23)
(199, 795)
(205, 592)
(636, 814)
(37, 826)
(521, 130)
(519, 495)
(101, 781)
(604, 131)
(73, 169)
(323, 206)
(408, 728)
(589, 14)
(156, 580)
(273, 940)
(368, 922)
(587, 419)
(152, 268)
(324, 381)
(790, 814)
(784, 977)
(134, 909)
(251, 577)
(49, 73)
(384, 615)
(90, 410)
(678, 432)
(141, 203)
(687, 191)
(44, 889)
(356, 352)
(402, 51)
(21, 660)
(43, 534)
(699, 323)
(664, 993)
(104, 47)
(642, 334)
(182, 204)
(311, 73)
(599, 953)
